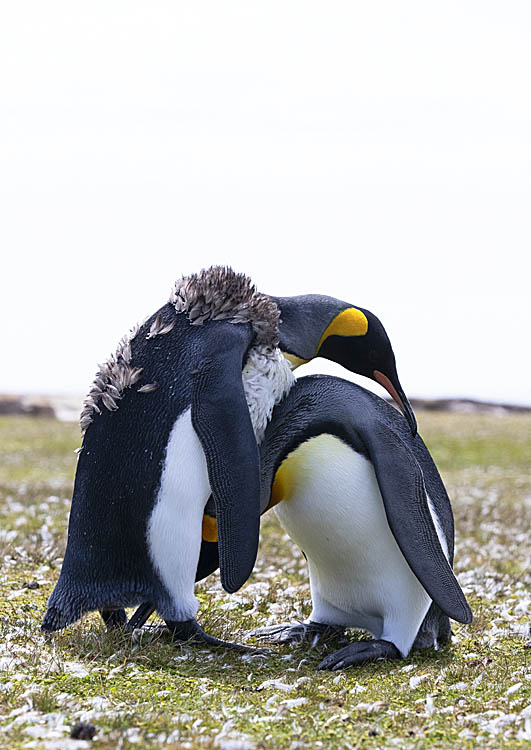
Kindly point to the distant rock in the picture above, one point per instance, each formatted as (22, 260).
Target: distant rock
(34, 406)
(468, 405)
(65, 408)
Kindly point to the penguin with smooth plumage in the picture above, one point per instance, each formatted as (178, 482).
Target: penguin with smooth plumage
(362, 498)
(318, 326)
(174, 418)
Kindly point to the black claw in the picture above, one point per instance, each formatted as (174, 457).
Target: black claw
(360, 652)
(185, 630)
(190, 630)
(140, 617)
(296, 633)
(114, 618)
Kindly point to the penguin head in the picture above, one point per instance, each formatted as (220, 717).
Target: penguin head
(314, 325)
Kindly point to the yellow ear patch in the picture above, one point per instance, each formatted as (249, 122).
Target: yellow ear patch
(210, 529)
(350, 322)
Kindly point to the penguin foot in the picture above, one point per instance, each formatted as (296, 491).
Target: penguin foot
(113, 618)
(191, 630)
(360, 652)
(297, 633)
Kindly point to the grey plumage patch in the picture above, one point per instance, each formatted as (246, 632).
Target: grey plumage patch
(159, 328)
(216, 293)
(112, 378)
(219, 293)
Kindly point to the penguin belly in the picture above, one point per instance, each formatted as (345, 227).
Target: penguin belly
(331, 506)
(174, 527)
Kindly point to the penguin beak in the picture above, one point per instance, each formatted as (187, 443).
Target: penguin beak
(398, 395)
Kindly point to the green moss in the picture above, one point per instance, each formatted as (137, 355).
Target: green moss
(458, 441)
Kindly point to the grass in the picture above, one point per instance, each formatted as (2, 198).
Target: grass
(144, 691)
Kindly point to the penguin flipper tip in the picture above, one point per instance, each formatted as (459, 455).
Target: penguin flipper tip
(466, 616)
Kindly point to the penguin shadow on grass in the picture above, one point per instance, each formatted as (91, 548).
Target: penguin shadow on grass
(153, 647)
(320, 652)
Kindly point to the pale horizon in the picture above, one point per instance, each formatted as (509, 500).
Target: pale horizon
(377, 153)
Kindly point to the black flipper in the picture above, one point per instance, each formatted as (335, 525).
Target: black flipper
(401, 483)
(208, 560)
(220, 417)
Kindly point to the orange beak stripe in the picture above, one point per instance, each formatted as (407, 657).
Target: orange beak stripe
(389, 387)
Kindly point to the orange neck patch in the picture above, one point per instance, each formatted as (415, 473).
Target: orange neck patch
(209, 531)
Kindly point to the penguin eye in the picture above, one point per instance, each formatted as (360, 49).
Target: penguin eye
(373, 356)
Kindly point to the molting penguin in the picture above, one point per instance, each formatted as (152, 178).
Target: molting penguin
(169, 421)
(311, 325)
(362, 498)
(174, 418)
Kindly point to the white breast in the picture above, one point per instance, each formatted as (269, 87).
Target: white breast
(267, 378)
(334, 512)
(174, 528)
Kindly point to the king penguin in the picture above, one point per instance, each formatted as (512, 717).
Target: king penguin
(171, 428)
(315, 325)
(362, 498)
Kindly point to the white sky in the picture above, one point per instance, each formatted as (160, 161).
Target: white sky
(379, 152)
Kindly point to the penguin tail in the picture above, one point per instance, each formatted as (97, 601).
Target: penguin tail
(64, 608)
(57, 617)
(54, 619)
(72, 599)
